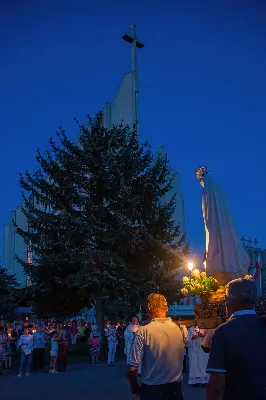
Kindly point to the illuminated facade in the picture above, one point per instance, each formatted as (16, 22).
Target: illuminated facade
(124, 108)
(14, 245)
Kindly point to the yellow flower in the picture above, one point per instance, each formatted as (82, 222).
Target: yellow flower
(197, 286)
(248, 277)
(185, 279)
(184, 291)
(203, 274)
(195, 273)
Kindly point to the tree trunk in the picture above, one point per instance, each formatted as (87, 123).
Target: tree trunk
(99, 315)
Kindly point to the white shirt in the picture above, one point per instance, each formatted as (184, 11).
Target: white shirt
(26, 343)
(159, 349)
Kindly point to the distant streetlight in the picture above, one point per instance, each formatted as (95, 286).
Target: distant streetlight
(190, 266)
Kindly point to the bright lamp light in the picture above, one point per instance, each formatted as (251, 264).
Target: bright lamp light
(190, 266)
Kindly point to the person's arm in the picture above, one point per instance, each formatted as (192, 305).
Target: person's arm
(135, 361)
(216, 385)
(205, 349)
(20, 341)
(217, 366)
(207, 341)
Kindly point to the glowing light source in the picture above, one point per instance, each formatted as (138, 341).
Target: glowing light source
(190, 266)
(205, 265)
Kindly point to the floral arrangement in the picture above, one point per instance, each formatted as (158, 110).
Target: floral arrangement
(199, 284)
(218, 295)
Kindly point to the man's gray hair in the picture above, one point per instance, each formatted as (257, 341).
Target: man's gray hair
(242, 291)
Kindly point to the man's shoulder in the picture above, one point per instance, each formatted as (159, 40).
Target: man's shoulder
(235, 322)
(153, 326)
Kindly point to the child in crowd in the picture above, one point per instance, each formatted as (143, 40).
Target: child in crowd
(53, 353)
(11, 347)
(111, 335)
(63, 351)
(95, 343)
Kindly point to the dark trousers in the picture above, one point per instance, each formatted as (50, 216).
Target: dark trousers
(170, 391)
(62, 362)
(38, 359)
(185, 364)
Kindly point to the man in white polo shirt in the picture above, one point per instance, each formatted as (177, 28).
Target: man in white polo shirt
(159, 348)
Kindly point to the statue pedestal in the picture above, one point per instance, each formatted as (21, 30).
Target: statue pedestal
(211, 315)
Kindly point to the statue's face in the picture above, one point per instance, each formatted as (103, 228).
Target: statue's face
(200, 172)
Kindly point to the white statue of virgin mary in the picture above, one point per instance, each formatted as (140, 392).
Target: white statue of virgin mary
(226, 257)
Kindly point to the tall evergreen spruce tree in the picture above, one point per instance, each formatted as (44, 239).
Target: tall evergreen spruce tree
(8, 293)
(99, 229)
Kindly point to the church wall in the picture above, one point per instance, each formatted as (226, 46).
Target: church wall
(120, 109)
(14, 245)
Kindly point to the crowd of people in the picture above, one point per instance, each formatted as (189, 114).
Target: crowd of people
(231, 359)
(32, 339)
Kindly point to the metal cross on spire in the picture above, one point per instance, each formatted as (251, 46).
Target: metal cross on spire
(131, 38)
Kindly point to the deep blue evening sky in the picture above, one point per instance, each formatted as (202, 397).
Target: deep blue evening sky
(202, 77)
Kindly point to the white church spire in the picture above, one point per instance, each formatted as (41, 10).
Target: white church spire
(124, 107)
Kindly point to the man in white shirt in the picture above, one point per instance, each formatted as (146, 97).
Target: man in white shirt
(26, 344)
(159, 348)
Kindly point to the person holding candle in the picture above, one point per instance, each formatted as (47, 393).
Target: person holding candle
(112, 341)
(63, 347)
(197, 358)
(53, 352)
(26, 345)
(38, 349)
(11, 346)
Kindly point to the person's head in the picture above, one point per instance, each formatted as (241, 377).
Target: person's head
(118, 324)
(63, 335)
(135, 320)
(94, 328)
(157, 306)
(240, 294)
(26, 330)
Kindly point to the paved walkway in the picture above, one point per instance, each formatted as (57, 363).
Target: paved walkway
(80, 382)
